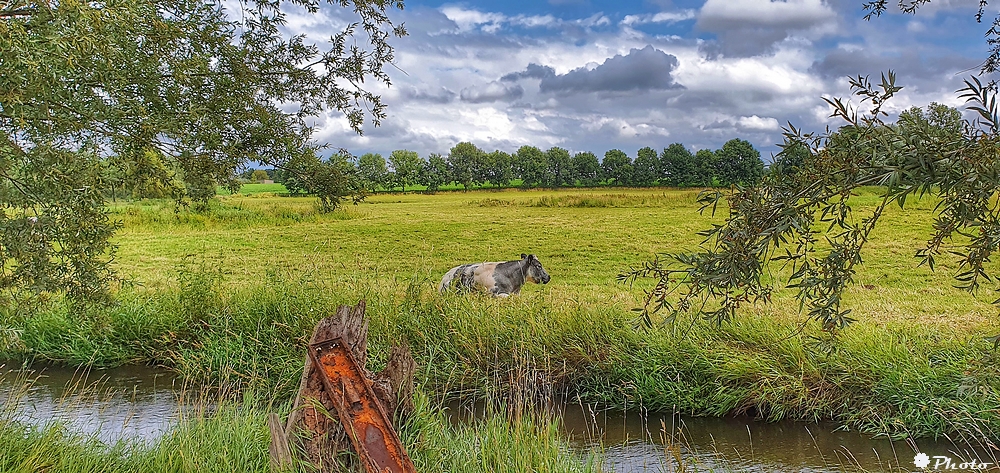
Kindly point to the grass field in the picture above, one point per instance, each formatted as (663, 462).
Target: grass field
(228, 298)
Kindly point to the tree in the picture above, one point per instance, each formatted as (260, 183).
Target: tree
(705, 168)
(532, 166)
(498, 168)
(372, 171)
(406, 167)
(560, 166)
(646, 168)
(258, 175)
(435, 173)
(90, 88)
(677, 166)
(465, 161)
(738, 162)
(777, 221)
(617, 167)
(587, 169)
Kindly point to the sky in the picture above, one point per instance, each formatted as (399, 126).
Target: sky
(595, 75)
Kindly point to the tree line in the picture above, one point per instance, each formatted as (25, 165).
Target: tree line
(466, 165)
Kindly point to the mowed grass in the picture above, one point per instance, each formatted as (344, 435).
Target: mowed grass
(228, 298)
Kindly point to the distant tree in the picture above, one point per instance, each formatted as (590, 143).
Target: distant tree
(560, 165)
(677, 166)
(498, 168)
(435, 173)
(587, 169)
(406, 167)
(738, 163)
(532, 166)
(704, 169)
(790, 159)
(617, 167)
(646, 169)
(258, 175)
(372, 171)
(465, 160)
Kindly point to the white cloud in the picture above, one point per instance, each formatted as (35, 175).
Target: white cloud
(756, 123)
(788, 13)
(662, 17)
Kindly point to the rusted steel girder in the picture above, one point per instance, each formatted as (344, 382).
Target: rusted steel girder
(366, 423)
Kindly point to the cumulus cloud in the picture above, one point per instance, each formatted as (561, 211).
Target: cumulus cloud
(492, 92)
(533, 71)
(756, 123)
(641, 69)
(751, 27)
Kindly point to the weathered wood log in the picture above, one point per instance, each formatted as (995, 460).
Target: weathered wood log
(313, 430)
(394, 385)
(281, 456)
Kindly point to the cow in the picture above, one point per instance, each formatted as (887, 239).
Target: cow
(500, 279)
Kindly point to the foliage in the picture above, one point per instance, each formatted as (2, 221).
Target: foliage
(179, 93)
(465, 163)
(588, 169)
(617, 167)
(532, 164)
(498, 168)
(258, 175)
(805, 219)
(677, 165)
(738, 163)
(646, 169)
(372, 171)
(406, 167)
(560, 167)
(435, 172)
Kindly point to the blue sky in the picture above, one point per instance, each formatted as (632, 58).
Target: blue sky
(590, 75)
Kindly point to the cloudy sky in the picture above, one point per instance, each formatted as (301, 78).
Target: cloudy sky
(592, 75)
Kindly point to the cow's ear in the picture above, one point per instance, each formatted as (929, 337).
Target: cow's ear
(523, 256)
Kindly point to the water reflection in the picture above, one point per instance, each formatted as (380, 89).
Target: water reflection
(640, 442)
(135, 402)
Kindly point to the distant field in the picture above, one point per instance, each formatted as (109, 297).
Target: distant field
(251, 189)
(583, 237)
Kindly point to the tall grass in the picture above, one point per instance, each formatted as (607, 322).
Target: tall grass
(898, 380)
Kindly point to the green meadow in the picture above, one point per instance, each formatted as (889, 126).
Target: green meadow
(228, 297)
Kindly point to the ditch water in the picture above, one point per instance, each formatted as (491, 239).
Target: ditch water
(143, 403)
(132, 402)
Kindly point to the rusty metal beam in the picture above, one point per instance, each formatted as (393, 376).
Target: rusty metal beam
(366, 423)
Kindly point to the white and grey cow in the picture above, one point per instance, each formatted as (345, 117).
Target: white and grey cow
(500, 279)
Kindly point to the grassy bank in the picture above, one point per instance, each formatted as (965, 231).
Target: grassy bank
(219, 296)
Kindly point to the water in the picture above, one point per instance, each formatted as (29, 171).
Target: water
(132, 403)
(641, 442)
(143, 403)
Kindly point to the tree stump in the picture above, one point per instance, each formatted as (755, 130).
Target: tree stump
(313, 428)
